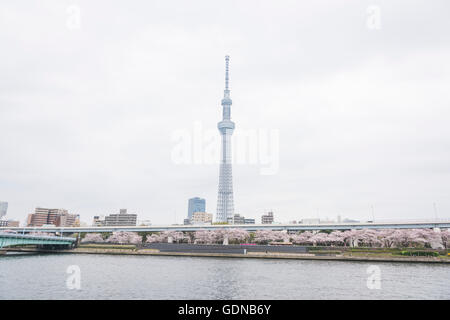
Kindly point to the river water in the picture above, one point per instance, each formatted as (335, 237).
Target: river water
(145, 277)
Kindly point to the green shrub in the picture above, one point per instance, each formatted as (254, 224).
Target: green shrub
(420, 253)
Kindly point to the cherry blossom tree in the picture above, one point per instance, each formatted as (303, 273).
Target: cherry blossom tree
(122, 237)
(155, 238)
(445, 238)
(366, 237)
(300, 238)
(319, 238)
(237, 235)
(264, 236)
(163, 237)
(203, 237)
(93, 237)
(337, 238)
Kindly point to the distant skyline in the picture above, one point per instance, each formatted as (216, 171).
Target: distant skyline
(89, 106)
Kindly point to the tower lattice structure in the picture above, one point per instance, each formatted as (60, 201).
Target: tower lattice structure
(225, 205)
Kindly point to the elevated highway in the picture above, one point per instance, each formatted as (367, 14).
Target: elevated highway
(425, 224)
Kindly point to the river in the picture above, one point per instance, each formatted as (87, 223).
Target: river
(152, 277)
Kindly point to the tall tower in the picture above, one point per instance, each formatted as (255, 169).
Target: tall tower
(225, 206)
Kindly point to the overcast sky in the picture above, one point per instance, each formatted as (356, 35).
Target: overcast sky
(359, 105)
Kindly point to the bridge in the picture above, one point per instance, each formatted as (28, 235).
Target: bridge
(12, 239)
(425, 224)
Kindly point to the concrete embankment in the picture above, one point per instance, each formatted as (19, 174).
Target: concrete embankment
(248, 255)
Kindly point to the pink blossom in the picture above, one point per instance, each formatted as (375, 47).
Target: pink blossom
(93, 237)
(125, 238)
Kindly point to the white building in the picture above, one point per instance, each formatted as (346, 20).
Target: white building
(201, 218)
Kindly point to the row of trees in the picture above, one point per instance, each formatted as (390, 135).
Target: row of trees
(115, 237)
(387, 238)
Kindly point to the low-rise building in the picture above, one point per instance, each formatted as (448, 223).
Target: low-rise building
(201, 217)
(119, 219)
(98, 222)
(9, 223)
(238, 219)
(267, 218)
(13, 223)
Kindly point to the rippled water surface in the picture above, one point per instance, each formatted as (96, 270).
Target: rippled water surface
(137, 277)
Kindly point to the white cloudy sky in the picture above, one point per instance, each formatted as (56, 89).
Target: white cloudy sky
(87, 116)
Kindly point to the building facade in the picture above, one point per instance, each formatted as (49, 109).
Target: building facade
(196, 205)
(98, 222)
(225, 203)
(56, 217)
(201, 217)
(238, 219)
(121, 219)
(67, 220)
(267, 218)
(9, 223)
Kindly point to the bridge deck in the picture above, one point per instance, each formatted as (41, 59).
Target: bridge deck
(249, 227)
(12, 239)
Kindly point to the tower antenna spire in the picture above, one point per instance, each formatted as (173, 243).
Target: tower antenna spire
(227, 68)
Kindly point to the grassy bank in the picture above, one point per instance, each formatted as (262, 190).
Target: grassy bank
(321, 254)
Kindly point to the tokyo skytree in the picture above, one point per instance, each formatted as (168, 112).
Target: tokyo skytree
(225, 207)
